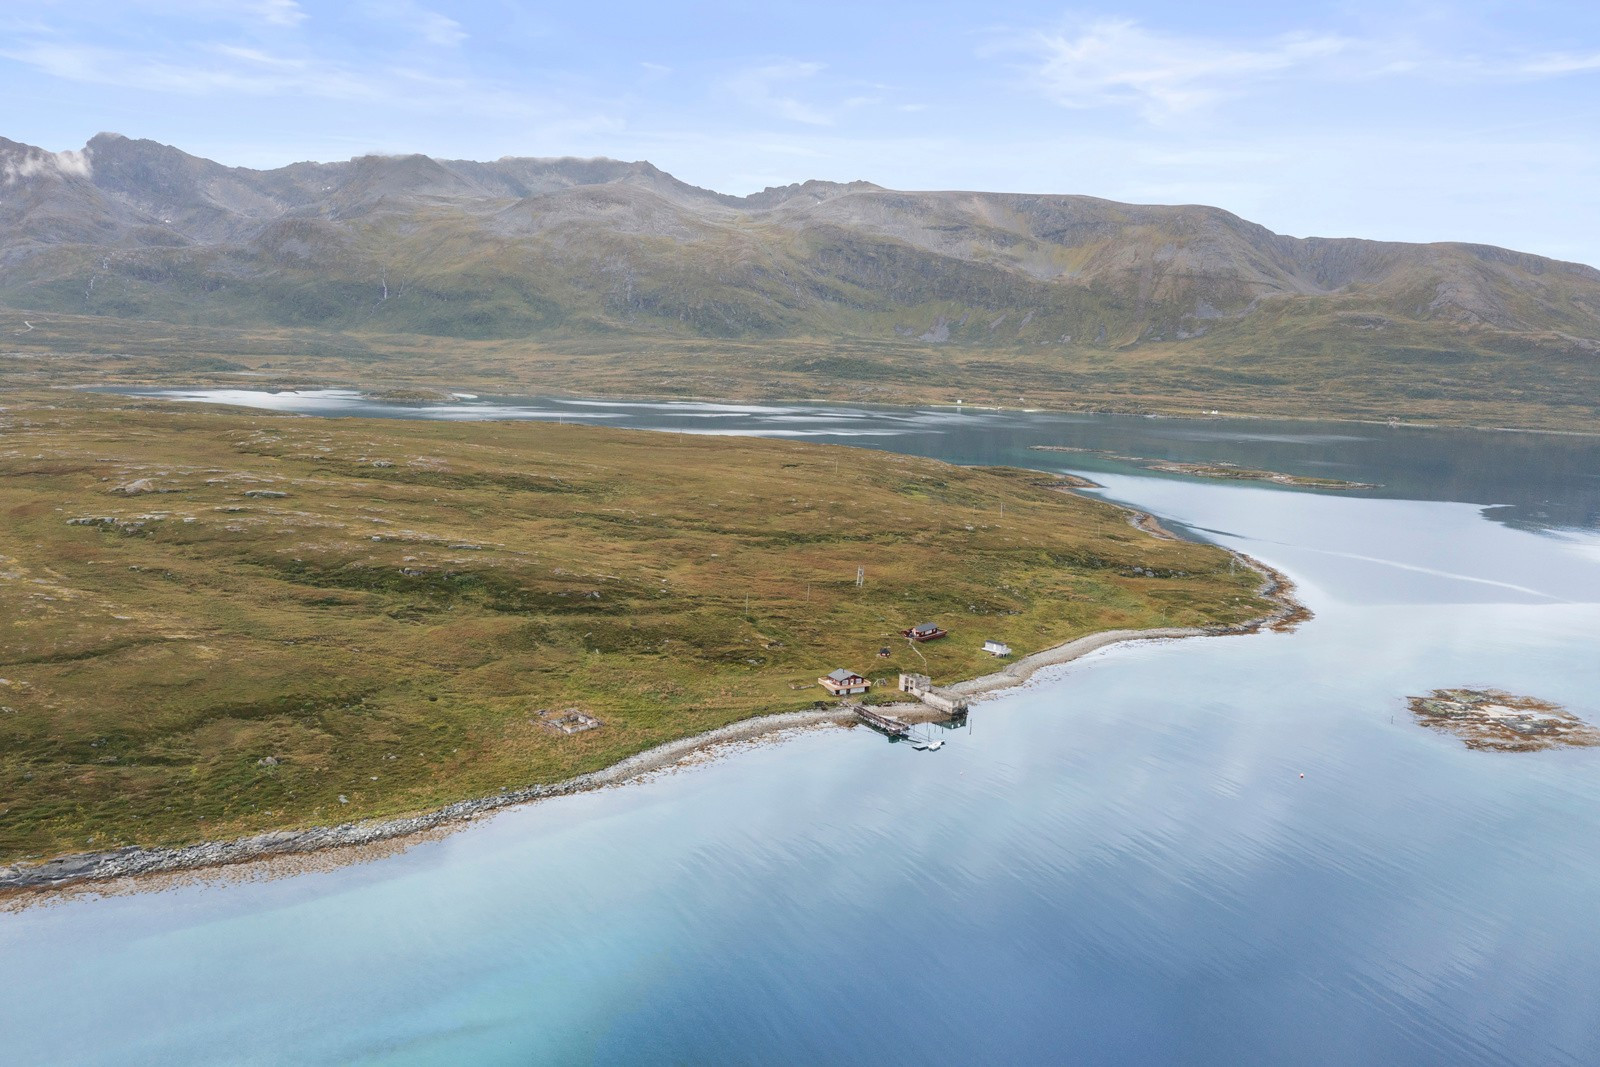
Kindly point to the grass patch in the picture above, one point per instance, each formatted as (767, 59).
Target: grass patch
(385, 624)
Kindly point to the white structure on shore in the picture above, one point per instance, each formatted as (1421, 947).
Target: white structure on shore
(997, 648)
(922, 687)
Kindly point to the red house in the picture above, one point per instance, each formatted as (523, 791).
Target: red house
(843, 683)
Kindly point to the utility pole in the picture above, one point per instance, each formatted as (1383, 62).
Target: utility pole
(861, 577)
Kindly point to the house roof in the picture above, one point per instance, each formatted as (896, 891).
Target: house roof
(842, 675)
(924, 628)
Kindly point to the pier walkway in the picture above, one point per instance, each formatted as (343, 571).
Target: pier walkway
(879, 721)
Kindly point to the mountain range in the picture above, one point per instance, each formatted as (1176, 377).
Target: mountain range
(568, 248)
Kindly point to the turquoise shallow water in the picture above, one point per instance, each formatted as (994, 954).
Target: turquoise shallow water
(1119, 862)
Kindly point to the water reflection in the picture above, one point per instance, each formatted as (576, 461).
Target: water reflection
(1119, 863)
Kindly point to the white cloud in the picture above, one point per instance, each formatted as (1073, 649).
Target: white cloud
(1558, 63)
(762, 88)
(277, 12)
(1116, 61)
(211, 69)
(33, 162)
(284, 13)
(430, 27)
(234, 69)
(256, 57)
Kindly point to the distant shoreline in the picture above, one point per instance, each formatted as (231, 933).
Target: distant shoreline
(494, 389)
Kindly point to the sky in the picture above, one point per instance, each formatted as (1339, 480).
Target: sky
(1418, 121)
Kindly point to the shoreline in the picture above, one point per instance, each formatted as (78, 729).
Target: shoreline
(84, 870)
(134, 861)
(78, 870)
(1397, 423)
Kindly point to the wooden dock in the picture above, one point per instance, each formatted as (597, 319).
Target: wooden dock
(879, 721)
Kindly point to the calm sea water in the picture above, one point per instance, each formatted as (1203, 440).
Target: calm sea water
(1117, 863)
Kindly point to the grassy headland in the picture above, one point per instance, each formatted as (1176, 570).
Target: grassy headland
(218, 623)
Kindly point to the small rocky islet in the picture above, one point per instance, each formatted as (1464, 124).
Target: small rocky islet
(1496, 721)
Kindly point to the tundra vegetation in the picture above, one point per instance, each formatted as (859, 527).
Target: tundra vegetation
(216, 623)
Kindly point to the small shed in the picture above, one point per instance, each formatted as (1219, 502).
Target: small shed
(843, 683)
(997, 648)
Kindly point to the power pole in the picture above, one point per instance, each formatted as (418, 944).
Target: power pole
(861, 576)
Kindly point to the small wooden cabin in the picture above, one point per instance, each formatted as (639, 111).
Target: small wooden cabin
(926, 632)
(843, 683)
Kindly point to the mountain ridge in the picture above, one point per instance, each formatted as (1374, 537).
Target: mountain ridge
(546, 248)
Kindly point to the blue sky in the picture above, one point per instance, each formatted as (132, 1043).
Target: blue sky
(1413, 121)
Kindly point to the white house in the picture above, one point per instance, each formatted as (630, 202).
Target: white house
(997, 648)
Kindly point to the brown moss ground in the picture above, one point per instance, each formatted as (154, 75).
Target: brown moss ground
(388, 628)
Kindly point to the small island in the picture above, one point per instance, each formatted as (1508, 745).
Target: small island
(1246, 474)
(1226, 471)
(1496, 721)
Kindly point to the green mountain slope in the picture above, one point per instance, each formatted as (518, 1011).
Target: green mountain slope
(564, 251)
